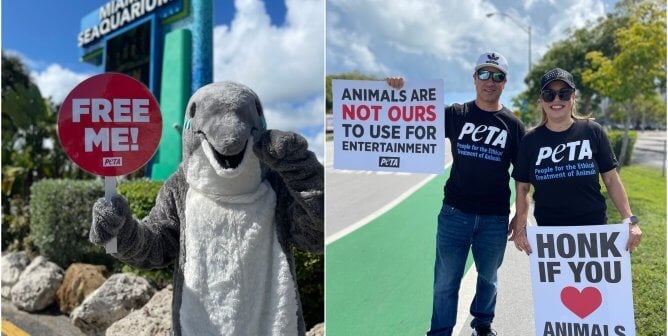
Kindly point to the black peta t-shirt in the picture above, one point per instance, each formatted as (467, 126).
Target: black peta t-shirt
(483, 146)
(564, 168)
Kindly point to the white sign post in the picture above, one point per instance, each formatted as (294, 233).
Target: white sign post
(581, 278)
(380, 128)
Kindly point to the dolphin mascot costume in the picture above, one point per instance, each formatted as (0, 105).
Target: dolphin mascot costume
(241, 197)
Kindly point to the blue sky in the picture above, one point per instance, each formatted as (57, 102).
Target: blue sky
(426, 39)
(55, 28)
(254, 43)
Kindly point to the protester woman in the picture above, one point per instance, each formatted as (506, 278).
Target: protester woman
(562, 158)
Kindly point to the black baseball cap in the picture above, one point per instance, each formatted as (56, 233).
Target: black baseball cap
(556, 74)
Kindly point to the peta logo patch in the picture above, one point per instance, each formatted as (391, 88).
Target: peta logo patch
(388, 161)
(112, 162)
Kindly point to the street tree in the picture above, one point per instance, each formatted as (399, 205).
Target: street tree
(328, 85)
(569, 54)
(30, 148)
(638, 69)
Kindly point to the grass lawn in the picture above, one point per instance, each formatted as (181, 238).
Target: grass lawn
(646, 189)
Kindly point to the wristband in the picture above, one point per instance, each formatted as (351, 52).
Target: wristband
(630, 220)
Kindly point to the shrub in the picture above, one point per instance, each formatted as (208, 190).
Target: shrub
(310, 277)
(62, 215)
(60, 221)
(616, 138)
(140, 194)
(16, 227)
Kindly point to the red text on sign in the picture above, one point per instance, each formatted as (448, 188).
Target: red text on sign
(412, 113)
(361, 112)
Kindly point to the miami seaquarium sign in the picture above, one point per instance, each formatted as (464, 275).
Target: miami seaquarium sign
(116, 14)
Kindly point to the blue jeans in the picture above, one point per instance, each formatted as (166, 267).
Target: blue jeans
(486, 235)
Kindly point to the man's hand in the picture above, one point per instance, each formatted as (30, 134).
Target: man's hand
(395, 82)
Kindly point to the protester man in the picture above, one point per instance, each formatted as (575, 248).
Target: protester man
(485, 138)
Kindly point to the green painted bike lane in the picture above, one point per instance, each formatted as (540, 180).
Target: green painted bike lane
(379, 278)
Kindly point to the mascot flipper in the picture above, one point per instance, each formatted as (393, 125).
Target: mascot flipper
(227, 217)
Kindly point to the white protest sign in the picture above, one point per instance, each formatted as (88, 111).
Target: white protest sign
(380, 128)
(581, 280)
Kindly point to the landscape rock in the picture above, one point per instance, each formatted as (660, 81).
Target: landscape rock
(116, 298)
(13, 264)
(80, 281)
(37, 285)
(317, 330)
(154, 319)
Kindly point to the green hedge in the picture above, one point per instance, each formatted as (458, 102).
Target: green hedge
(60, 217)
(616, 138)
(311, 280)
(141, 196)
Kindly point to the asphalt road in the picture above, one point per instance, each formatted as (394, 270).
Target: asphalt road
(650, 149)
(355, 197)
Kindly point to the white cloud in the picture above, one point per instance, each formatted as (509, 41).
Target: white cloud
(293, 116)
(56, 82)
(280, 63)
(316, 144)
(299, 116)
(283, 64)
(28, 62)
(442, 39)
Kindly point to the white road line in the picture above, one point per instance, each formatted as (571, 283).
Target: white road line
(334, 237)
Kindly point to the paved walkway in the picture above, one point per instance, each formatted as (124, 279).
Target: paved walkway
(49, 322)
(514, 306)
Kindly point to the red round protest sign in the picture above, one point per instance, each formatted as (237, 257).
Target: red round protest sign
(110, 124)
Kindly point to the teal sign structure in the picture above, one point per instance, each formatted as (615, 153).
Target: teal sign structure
(167, 45)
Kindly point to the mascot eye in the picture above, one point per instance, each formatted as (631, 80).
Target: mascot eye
(193, 108)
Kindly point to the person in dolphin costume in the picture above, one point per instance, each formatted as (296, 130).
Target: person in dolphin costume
(241, 197)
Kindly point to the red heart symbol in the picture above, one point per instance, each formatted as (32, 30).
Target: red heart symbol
(581, 303)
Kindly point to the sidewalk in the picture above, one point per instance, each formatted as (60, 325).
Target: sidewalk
(514, 305)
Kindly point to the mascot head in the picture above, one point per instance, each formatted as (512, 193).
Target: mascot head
(221, 122)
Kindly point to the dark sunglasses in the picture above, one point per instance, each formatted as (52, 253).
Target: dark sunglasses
(548, 95)
(497, 77)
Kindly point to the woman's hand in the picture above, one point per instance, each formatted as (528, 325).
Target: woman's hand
(635, 235)
(518, 235)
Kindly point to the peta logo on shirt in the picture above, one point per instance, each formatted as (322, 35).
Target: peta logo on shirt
(489, 134)
(558, 153)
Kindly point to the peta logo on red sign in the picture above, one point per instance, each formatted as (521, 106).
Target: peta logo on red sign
(489, 134)
(110, 124)
(112, 162)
